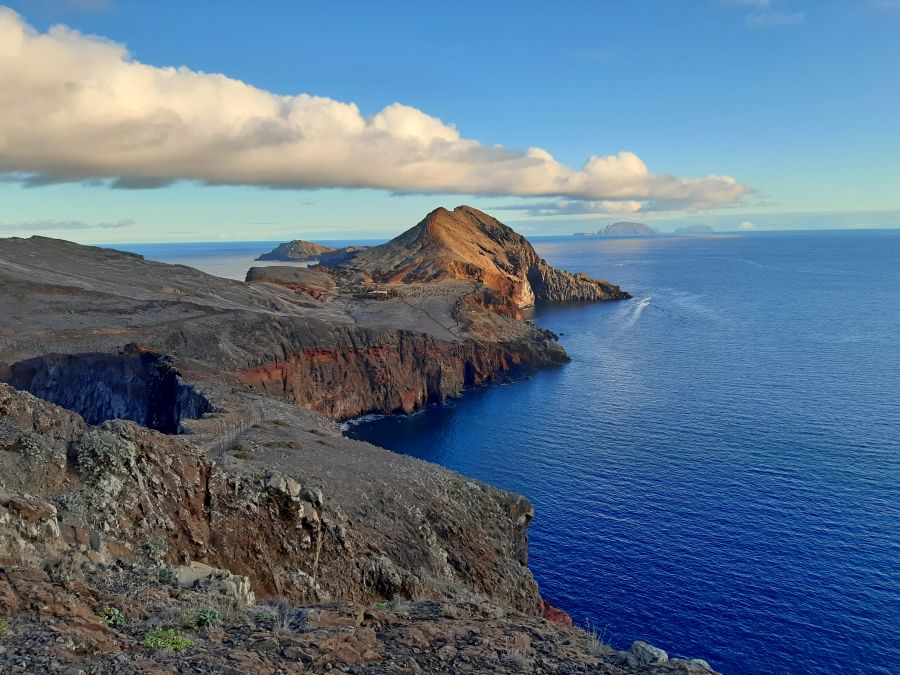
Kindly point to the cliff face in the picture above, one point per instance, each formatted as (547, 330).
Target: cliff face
(301, 527)
(467, 244)
(389, 371)
(134, 385)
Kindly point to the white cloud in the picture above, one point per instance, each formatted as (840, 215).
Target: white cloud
(78, 107)
(747, 225)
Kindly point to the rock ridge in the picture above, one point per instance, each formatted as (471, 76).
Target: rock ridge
(467, 244)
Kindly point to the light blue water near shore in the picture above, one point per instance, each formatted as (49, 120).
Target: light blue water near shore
(717, 471)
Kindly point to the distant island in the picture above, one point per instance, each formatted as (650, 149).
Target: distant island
(694, 229)
(299, 250)
(621, 229)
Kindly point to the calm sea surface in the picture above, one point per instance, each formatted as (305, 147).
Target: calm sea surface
(717, 471)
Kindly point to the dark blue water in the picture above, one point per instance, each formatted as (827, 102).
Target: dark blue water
(718, 469)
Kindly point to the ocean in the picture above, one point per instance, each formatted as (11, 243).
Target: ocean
(717, 471)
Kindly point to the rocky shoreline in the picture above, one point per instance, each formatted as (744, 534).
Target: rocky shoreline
(259, 534)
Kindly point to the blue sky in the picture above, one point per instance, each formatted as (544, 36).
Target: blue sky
(795, 101)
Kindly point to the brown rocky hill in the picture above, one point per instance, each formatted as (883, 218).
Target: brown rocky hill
(467, 244)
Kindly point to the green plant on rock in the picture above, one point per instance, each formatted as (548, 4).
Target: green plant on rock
(167, 639)
(101, 454)
(205, 618)
(266, 615)
(112, 617)
(4, 628)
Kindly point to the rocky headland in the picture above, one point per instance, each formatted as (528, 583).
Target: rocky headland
(176, 496)
(307, 251)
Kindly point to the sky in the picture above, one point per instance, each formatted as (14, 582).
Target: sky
(170, 121)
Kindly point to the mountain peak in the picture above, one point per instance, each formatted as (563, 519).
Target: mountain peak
(468, 244)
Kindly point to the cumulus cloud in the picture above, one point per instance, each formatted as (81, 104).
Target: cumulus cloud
(747, 225)
(32, 226)
(79, 108)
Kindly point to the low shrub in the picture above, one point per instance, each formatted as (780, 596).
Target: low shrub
(204, 618)
(111, 617)
(167, 639)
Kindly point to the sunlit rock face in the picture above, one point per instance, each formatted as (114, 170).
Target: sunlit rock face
(467, 244)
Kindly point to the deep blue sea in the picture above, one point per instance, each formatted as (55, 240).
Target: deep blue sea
(717, 471)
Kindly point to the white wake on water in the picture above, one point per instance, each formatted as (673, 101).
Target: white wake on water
(638, 309)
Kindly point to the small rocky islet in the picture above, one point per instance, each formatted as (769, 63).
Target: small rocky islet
(211, 517)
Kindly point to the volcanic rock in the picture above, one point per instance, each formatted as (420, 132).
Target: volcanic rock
(466, 244)
(298, 250)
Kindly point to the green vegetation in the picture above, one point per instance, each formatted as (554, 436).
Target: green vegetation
(4, 628)
(204, 618)
(167, 639)
(112, 617)
(201, 618)
(267, 615)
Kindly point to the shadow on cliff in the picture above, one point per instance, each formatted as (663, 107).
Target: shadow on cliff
(135, 384)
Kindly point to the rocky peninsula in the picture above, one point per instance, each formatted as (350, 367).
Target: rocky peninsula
(176, 495)
(309, 251)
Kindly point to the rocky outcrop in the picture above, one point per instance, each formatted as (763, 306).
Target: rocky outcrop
(298, 250)
(98, 619)
(467, 244)
(361, 523)
(302, 280)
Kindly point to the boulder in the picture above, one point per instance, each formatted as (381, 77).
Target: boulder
(215, 581)
(642, 654)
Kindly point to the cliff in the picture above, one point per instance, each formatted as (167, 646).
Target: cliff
(466, 244)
